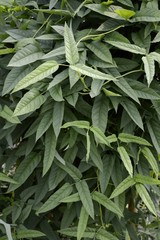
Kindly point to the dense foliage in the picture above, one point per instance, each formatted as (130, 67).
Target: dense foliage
(79, 119)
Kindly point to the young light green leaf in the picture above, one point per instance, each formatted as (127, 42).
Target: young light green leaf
(129, 138)
(7, 114)
(146, 198)
(126, 160)
(41, 72)
(146, 180)
(127, 47)
(125, 13)
(7, 51)
(25, 56)
(82, 224)
(133, 112)
(58, 113)
(55, 198)
(125, 184)
(24, 170)
(50, 148)
(78, 124)
(93, 73)
(44, 124)
(100, 135)
(102, 234)
(28, 233)
(5, 178)
(151, 159)
(106, 202)
(31, 101)
(149, 67)
(71, 50)
(85, 197)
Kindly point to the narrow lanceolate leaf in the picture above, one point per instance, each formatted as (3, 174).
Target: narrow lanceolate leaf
(149, 68)
(133, 112)
(50, 147)
(8, 230)
(58, 113)
(151, 159)
(73, 171)
(88, 146)
(71, 50)
(126, 160)
(129, 138)
(54, 199)
(24, 170)
(146, 180)
(124, 185)
(25, 56)
(93, 73)
(31, 101)
(28, 233)
(127, 47)
(79, 124)
(41, 72)
(72, 198)
(72, 232)
(100, 135)
(104, 235)
(5, 178)
(44, 124)
(154, 131)
(82, 224)
(7, 114)
(56, 52)
(146, 198)
(107, 203)
(85, 197)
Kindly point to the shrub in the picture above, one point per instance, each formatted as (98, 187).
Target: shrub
(80, 110)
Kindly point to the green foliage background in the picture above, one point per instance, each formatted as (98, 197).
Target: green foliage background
(79, 119)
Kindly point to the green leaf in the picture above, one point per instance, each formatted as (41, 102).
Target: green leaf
(82, 224)
(31, 101)
(125, 184)
(71, 50)
(28, 233)
(127, 47)
(88, 146)
(58, 78)
(72, 232)
(129, 138)
(146, 198)
(55, 198)
(8, 229)
(24, 170)
(100, 135)
(58, 113)
(7, 51)
(73, 171)
(26, 55)
(146, 180)
(107, 203)
(95, 155)
(41, 72)
(126, 160)
(50, 148)
(133, 112)
(149, 67)
(5, 178)
(153, 128)
(100, 112)
(44, 124)
(150, 158)
(78, 124)
(93, 73)
(125, 13)
(55, 52)
(7, 114)
(72, 198)
(147, 15)
(85, 197)
(56, 93)
(104, 235)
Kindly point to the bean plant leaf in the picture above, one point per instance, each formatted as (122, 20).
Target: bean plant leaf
(82, 224)
(129, 138)
(126, 160)
(7, 114)
(151, 159)
(149, 67)
(78, 124)
(146, 180)
(125, 13)
(103, 234)
(41, 72)
(5, 178)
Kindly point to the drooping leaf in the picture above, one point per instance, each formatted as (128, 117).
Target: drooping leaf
(126, 160)
(44, 124)
(73, 171)
(41, 72)
(85, 197)
(7, 114)
(146, 180)
(72, 198)
(88, 146)
(153, 128)
(72, 232)
(24, 170)
(78, 124)
(149, 67)
(55, 198)
(129, 138)
(71, 50)
(58, 113)
(31, 101)
(82, 224)
(151, 159)
(28, 233)
(146, 198)
(124, 185)
(26, 55)
(106, 202)
(100, 135)
(55, 52)
(102, 234)
(5, 178)
(8, 229)
(50, 147)
(95, 155)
